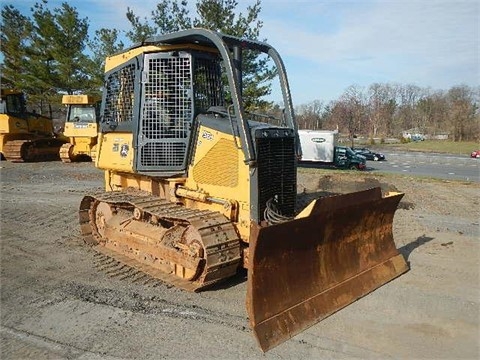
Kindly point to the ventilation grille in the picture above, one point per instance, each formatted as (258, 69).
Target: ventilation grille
(162, 154)
(219, 166)
(276, 174)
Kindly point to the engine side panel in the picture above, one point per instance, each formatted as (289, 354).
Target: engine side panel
(218, 169)
(115, 152)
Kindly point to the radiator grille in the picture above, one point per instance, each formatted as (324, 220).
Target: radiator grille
(276, 174)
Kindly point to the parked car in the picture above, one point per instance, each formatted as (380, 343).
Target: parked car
(418, 137)
(475, 154)
(369, 154)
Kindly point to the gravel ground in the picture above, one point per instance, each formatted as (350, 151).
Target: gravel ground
(57, 304)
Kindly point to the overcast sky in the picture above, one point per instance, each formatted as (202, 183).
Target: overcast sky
(329, 45)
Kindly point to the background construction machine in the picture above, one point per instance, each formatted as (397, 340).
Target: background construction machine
(196, 189)
(81, 128)
(25, 136)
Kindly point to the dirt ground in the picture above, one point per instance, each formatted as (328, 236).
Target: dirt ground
(57, 304)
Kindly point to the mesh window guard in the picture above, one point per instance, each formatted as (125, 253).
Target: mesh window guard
(119, 89)
(166, 112)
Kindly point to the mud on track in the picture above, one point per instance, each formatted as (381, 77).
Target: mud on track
(58, 300)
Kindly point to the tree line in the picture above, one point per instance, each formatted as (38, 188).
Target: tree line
(49, 52)
(388, 110)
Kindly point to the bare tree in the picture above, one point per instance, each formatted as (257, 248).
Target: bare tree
(309, 116)
(463, 110)
(354, 111)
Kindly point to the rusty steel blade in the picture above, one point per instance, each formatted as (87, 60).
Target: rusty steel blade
(304, 270)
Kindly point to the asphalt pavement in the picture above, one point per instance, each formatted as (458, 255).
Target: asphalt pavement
(434, 165)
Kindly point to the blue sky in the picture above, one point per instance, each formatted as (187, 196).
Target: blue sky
(330, 45)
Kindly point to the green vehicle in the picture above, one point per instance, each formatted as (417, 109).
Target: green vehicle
(346, 158)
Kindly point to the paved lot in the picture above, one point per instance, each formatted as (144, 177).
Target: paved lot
(439, 166)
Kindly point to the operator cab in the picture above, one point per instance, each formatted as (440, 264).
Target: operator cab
(12, 103)
(83, 113)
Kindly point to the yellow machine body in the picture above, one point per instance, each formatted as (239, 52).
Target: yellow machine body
(25, 136)
(218, 172)
(196, 188)
(81, 128)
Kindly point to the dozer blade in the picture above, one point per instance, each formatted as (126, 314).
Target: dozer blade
(336, 251)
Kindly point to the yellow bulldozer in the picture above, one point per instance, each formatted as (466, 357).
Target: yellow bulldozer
(197, 188)
(25, 136)
(81, 128)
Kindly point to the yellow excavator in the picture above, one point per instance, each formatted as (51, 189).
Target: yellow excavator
(25, 136)
(81, 128)
(198, 188)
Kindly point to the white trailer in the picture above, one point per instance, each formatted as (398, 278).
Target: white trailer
(318, 145)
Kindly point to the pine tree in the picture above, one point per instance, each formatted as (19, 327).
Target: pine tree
(170, 16)
(58, 45)
(44, 54)
(216, 15)
(141, 30)
(105, 43)
(219, 15)
(15, 32)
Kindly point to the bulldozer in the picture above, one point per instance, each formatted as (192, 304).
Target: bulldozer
(25, 136)
(198, 189)
(81, 128)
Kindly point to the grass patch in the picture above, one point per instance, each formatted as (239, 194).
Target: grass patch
(440, 146)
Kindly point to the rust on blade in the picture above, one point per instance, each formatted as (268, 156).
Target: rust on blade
(304, 270)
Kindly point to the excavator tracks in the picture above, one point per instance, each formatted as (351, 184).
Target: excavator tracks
(188, 248)
(32, 150)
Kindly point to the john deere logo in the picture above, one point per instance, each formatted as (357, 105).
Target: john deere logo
(318, 140)
(124, 150)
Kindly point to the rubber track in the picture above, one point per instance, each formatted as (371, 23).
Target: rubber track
(220, 240)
